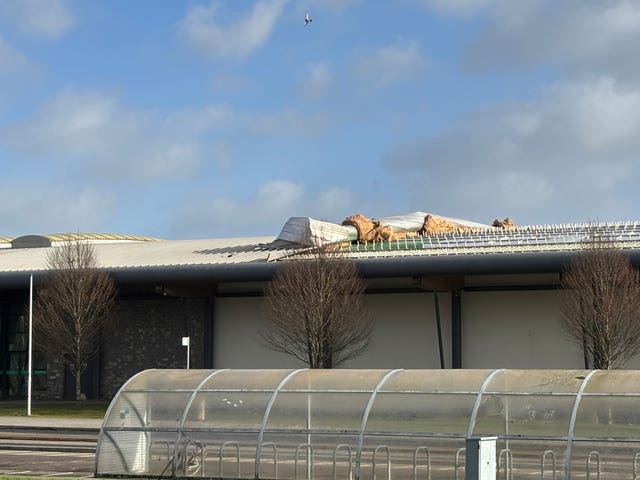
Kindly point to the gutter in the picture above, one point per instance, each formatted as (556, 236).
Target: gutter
(373, 267)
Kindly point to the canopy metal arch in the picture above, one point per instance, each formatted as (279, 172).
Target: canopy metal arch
(122, 444)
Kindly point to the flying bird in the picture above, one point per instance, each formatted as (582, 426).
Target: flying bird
(307, 20)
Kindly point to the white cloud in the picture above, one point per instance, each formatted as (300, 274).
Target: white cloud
(262, 213)
(334, 204)
(204, 30)
(48, 18)
(391, 64)
(570, 151)
(11, 60)
(585, 35)
(91, 133)
(200, 120)
(271, 204)
(229, 82)
(40, 209)
(330, 5)
(289, 122)
(318, 80)
(458, 7)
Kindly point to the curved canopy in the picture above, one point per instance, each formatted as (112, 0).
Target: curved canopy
(363, 423)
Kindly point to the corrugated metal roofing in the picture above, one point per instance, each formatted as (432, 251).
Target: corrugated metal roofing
(156, 254)
(64, 237)
(56, 238)
(234, 253)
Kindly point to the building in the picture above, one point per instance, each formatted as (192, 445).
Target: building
(496, 290)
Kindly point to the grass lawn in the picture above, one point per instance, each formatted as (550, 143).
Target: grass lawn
(61, 409)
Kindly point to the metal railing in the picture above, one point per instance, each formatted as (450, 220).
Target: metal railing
(456, 467)
(342, 446)
(415, 462)
(195, 455)
(310, 468)
(375, 453)
(593, 455)
(552, 455)
(508, 464)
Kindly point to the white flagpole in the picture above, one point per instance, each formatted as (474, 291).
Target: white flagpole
(29, 367)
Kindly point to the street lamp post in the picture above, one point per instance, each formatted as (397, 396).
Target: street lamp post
(30, 349)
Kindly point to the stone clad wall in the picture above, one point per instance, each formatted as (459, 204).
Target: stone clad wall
(148, 334)
(51, 385)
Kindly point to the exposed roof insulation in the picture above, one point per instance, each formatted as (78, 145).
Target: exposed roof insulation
(309, 232)
(540, 248)
(412, 222)
(313, 233)
(538, 238)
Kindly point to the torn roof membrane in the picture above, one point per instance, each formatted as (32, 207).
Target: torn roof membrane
(313, 233)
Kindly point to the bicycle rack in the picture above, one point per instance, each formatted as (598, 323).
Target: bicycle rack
(169, 456)
(415, 462)
(375, 452)
(310, 468)
(275, 458)
(187, 457)
(160, 442)
(635, 465)
(221, 457)
(342, 446)
(552, 454)
(508, 463)
(595, 455)
(457, 464)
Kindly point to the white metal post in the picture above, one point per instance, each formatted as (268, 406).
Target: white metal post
(29, 355)
(480, 462)
(185, 343)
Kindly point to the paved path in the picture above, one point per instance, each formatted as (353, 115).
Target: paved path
(49, 422)
(14, 461)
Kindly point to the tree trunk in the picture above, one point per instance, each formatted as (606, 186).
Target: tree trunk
(78, 387)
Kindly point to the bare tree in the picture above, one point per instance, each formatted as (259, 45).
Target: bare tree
(600, 305)
(71, 309)
(314, 310)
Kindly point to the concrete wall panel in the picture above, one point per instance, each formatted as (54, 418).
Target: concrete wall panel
(236, 336)
(515, 329)
(405, 334)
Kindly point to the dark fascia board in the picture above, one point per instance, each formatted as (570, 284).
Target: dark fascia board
(503, 263)
(533, 262)
(239, 272)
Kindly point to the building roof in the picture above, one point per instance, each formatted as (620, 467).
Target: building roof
(531, 238)
(542, 248)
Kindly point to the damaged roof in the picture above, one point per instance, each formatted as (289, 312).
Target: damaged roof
(537, 248)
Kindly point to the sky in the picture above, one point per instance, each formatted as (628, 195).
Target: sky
(223, 118)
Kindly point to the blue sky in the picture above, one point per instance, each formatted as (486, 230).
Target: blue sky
(195, 119)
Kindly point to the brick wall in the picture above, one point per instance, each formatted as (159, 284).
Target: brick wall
(148, 334)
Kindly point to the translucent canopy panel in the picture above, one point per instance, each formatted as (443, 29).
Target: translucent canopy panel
(413, 424)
